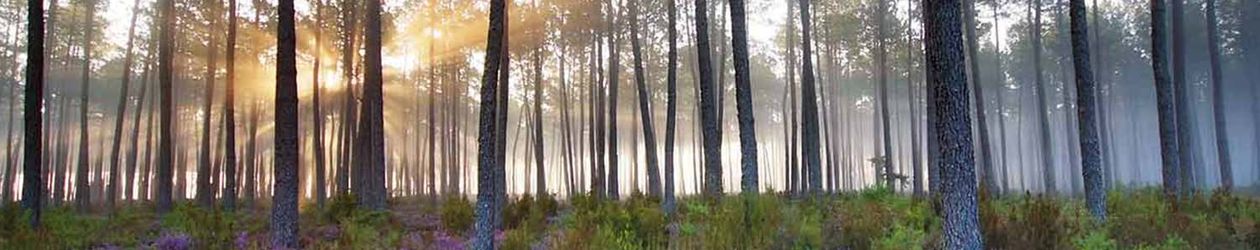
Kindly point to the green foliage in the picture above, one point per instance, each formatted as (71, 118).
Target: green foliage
(1095, 240)
(457, 214)
(903, 236)
(368, 230)
(209, 229)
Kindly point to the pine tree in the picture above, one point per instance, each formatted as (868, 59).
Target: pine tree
(1091, 163)
(488, 165)
(33, 134)
(948, 79)
(284, 210)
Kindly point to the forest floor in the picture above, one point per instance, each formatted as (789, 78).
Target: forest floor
(871, 219)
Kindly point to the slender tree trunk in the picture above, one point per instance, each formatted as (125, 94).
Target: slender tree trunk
(317, 117)
(32, 190)
(229, 112)
(111, 193)
(1165, 95)
(947, 76)
(613, 71)
(1218, 99)
(488, 165)
(649, 134)
(1183, 103)
(540, 174)
(987, 179)
(1091, 163)
(1003, 183)
(166, 62)
(83, 195)
(743, 100)
(1047, 156)
(671, 105)
(205, 193)
(708, 106)
(809, 103)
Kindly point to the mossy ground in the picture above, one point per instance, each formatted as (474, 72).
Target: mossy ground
(871, 219)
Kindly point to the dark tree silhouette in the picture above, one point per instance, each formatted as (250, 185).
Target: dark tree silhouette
(205, 189)
(987, 174)
(1182, 103)
(708, 105)
(1047, 157)
(371, 142)
(881, 61)
(111, 191)
(645, 110)
(947, 77)
(488, 165)
(1165, 98)
(1218, 98)
(166, 62)
(1086, 102)
(743, 99)
(317, 116)
(284, 210)
(614, 71)
(32, 103)
(671, 104)
(809, 106)
(229, 112)
(83, 192)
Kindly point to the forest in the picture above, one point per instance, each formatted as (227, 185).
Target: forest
(740, 124)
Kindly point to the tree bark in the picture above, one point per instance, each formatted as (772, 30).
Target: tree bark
(1165, 97)
(32, 190)
(946, 75)
(1091, 162)
(229, 113)
(809, 104)
(487, 160)
(83, 194)
(1047, 155)
(1218, 99)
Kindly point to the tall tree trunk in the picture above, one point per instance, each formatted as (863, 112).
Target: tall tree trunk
(987, 179)
(488, 165)
(613, 82)
(809, 104)
(317, 117)
(540, 174)
(284, 210)
(1091, 163)
(111, 193)
(1185, 120)
(1218, 99)
(1165, 96)
(229, 112)
(83, 195)
(743, 100)
(251, 156)
(1003, 183)
(148, 169)
(432, 159)
(645, 111)
(32, 190)
(708, 106)
(370, 155)
(947, 76)
(671, 105)
(1047, 155)
(205, 193)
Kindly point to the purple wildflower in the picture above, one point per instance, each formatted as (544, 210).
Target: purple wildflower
(173, 241)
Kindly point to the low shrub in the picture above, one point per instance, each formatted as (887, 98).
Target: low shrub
(457, 215)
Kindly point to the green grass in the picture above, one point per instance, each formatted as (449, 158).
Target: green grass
(871, 219)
